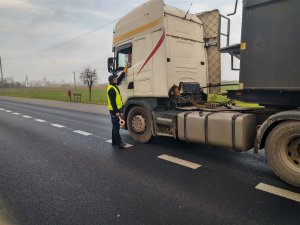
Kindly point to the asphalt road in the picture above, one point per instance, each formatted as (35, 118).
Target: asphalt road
(50, 174)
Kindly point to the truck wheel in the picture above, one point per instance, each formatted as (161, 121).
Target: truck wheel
(283, 151)
(139, 124)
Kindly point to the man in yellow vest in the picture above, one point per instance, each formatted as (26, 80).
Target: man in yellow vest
(115, 104)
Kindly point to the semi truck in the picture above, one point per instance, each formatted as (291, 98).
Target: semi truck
(175, 64)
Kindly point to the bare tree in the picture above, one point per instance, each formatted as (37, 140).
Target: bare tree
(88, 76)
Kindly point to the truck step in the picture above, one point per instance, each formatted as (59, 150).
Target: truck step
(164, 121)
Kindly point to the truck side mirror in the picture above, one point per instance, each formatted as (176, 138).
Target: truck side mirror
(110, 64)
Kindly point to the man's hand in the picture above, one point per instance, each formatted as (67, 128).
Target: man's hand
(125, 69)
(118, 114)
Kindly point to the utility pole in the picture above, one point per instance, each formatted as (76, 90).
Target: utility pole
(74, 80)
(1, 74)
(26, 81)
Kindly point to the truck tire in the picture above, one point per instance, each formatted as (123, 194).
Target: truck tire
(139, 124)
(283, 151)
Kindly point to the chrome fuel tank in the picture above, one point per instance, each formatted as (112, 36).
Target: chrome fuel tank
(226, 129)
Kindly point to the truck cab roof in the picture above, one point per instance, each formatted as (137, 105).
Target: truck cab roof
(145, 19)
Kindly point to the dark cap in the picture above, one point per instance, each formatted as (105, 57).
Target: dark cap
(112, 77)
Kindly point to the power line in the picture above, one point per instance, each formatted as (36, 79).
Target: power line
(61, 44)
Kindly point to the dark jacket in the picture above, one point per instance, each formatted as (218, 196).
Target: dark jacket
(112, 95)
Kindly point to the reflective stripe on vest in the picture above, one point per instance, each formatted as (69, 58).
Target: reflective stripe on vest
(118, 98)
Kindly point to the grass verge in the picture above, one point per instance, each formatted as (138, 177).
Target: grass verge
(58, 94)
(98, 94)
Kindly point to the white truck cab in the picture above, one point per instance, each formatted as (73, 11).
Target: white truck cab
(163, 46)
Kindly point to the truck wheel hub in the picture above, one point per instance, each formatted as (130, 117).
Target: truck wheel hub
(293, 153)
(138, 123)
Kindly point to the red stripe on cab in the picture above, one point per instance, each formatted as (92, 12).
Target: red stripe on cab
(161, 40)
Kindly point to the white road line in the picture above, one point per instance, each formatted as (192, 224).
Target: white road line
(82, 132)
(40, 121)
(61, 126)
(57, 125)
(278, 191)
(102, 138)
(126, 144)
(179, 161)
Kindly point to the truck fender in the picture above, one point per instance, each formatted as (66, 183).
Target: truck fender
(267, 126)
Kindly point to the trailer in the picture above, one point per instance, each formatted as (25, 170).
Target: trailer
(174, 64)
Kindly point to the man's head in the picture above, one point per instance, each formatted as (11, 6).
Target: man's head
(112, 79)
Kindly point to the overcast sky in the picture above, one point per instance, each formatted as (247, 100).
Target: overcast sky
(31, 30)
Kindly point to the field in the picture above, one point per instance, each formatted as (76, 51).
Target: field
(58, 94)
(98, 94)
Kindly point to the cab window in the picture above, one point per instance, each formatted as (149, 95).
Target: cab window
(124, 56)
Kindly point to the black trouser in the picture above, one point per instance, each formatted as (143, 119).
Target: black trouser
(116, 138)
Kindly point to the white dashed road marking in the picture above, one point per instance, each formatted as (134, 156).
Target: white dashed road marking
(62, 126)
(179, 161)
(279, 191)
(40, 121)
(82, 132)
(28, 117)
(57, 125)
(126, 146)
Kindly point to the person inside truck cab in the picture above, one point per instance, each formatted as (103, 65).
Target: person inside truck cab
(115, 104)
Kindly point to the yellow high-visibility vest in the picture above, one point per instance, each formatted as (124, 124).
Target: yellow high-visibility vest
(118, 98)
